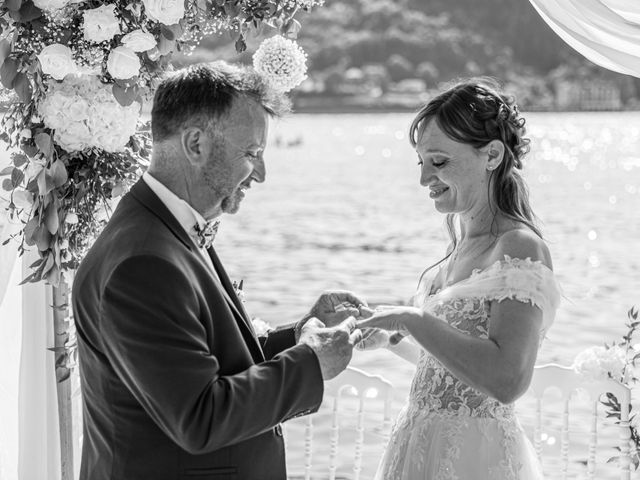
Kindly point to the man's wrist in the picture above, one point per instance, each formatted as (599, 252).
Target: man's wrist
(297, 328)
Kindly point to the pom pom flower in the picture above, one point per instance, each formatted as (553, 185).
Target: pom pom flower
(281, 62)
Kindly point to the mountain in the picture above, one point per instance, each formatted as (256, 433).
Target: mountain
(382, 42)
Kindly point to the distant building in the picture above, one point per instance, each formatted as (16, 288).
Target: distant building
(587, 95)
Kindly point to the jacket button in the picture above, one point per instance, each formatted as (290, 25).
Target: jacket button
(278, 430)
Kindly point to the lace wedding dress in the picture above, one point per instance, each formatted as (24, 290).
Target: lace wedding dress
(448, 430)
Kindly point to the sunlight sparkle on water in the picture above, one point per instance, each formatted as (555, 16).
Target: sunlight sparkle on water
(592, 235)
(587, 185)
(594, 260)
(613, 199)
(359, 150)
(386, 153)
(399, 135)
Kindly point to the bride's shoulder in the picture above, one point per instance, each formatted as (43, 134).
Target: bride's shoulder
(522, 243)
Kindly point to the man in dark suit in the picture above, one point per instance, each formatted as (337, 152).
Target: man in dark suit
(175, 382)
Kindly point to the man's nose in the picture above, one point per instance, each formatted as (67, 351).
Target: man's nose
(259, 170)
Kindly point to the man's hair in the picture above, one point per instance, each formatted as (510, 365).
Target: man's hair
(201, 94)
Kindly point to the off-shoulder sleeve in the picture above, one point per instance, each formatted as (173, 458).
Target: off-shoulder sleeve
(515, 279)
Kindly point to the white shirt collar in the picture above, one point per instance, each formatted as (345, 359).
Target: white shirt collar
(186, 215)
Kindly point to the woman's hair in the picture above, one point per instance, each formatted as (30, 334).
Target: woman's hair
(475, 112)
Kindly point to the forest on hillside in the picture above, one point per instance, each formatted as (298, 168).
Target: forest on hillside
(377, 53)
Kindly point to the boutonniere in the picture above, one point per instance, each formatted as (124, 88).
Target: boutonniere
(237, 288)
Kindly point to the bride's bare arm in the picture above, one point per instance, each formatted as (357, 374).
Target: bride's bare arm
(407, 350)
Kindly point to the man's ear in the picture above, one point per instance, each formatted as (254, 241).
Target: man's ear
(495, 154)
(192, 142)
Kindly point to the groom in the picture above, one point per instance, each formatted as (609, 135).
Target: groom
(175, 382)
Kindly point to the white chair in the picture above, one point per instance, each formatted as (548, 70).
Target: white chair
(568, 382)
(364, 388)
(361, 385)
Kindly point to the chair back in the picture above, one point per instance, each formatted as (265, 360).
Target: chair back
(567, 381)
(350, 385)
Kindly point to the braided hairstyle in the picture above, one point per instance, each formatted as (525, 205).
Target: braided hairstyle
(475, 112)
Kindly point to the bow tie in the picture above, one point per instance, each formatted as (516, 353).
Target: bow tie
(205, 234)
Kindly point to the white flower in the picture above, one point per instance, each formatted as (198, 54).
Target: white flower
(281, 62)
(83, 113)
(56, 61)
(123, 63)
(168, 12)
(50, 5)
(139, 41)
(596, 363)
(101, 24)
(71, 218)
(261, 327)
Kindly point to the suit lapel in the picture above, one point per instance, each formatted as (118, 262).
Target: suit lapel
(232, 298)
(143, 194)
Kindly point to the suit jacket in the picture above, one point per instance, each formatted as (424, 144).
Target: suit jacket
(175, 384)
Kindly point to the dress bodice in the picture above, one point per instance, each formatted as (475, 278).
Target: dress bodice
(465, 306)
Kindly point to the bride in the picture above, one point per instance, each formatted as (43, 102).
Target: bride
(482, 311)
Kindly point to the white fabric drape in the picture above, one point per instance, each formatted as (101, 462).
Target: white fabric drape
(607, 32)
(29, 438)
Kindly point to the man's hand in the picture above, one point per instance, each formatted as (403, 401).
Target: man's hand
(333, 346)
(333, 307)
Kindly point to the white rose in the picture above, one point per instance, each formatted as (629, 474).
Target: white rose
(139, 41)
(123, 63)
(168, 12)
(56, 61)
(101, 24)
(50, 5)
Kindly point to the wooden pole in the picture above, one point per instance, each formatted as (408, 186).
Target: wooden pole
(63, 377)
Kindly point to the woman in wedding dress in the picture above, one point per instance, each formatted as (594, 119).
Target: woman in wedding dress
(479, 314)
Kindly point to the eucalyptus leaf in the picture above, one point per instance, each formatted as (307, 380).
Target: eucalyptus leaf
(8, 72)
(42, 238)
(29, 12)
(7, 184)
(167, 33)
(29, 230)
(58, 174)
(23, 88)
(125, 96)
(29, 149)
(48, 264)
(19, 159)
(6, 171)
(5, 49)
(44, 144)
(13, 4)
(51, 219)
(17, 176)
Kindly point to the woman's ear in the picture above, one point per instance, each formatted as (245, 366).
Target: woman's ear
(495, 154)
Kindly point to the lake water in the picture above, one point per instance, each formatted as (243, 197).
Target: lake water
(342, 208)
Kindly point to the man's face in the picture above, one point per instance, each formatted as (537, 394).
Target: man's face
(236, 154)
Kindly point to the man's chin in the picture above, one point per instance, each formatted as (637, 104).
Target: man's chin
(230, 205)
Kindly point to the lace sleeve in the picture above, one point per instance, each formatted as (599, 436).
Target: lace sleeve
(516, 279)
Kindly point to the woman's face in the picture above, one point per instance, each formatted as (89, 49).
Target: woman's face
(455, 173)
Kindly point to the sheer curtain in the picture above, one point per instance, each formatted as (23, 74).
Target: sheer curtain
(607, 32)
(29, 438)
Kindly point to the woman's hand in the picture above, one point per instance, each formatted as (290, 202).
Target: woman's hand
(391, 319)
(373, 338)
